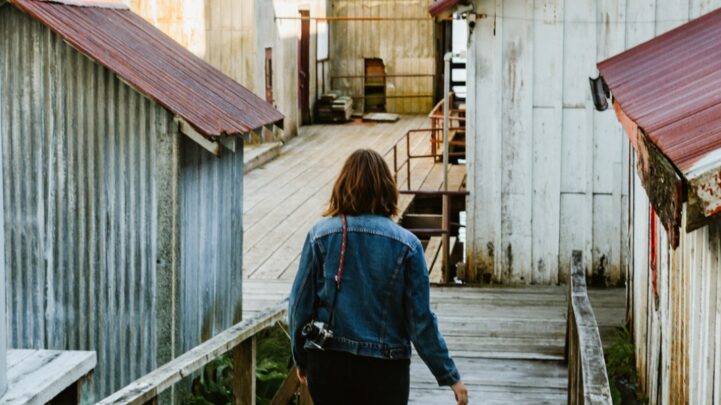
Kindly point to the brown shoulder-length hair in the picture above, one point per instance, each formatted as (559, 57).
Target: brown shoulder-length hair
(364, 186)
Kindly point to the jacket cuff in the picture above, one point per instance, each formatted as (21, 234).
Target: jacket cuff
(449, 379)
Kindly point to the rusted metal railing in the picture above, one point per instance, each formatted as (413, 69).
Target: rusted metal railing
(399, 165)
(587, 378)
(445, 230)
(436, 116)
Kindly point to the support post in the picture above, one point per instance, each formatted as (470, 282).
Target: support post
(244, 373)
(446, 237)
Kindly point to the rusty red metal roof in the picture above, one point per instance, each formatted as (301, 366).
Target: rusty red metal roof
(670, 87)
(157, 66)
(442, 6)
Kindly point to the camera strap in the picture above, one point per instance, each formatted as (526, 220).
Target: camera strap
(341, 263)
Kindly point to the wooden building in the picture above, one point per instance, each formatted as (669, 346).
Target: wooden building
(546, 174)
(387, 38)
(665, 96)
(107, 128)
(259, 43)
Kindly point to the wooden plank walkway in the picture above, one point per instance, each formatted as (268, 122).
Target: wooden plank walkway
(284, 198)
(507, 342)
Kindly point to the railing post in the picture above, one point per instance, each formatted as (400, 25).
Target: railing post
(408, 159)
(446, 236)
(244, 373)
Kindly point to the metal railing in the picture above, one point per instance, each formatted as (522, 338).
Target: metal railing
(445, 230)
(436, 117)
(399, 165)
(587, 378)
(238, 339)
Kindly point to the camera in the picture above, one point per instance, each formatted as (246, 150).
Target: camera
(317, 333)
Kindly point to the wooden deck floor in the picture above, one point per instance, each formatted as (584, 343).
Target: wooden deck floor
(507, 342)
(284, 198)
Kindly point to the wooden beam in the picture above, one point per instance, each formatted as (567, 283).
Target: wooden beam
(587, 377)
(287, 390)
(152, 384)
(244, 371)
(188, 130)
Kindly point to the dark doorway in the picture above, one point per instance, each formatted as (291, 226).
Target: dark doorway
(304, 68)
(375, 86)
(269, 75)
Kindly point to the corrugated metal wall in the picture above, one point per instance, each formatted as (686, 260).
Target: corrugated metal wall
(211, 245)
(676, 325)
(547, 174)
(406, 47)
(81, 217)
(104, 200)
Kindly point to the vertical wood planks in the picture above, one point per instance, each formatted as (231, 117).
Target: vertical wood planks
(517, 141)
(608, 156)
(484, 219)
(577, 149)
(546, 142)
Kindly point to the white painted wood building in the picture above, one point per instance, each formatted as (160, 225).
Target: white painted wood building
(547, 174)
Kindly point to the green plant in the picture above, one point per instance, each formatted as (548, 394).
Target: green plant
(214, 386)
(621, 368)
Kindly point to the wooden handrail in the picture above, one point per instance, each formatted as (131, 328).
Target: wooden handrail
(587, 378)
(148, 387)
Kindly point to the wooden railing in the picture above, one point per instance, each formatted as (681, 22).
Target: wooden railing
(587, 378)
(240, 339)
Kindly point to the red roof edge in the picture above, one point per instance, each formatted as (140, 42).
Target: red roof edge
(441, 6)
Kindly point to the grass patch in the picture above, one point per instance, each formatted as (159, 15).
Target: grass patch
(621, 368)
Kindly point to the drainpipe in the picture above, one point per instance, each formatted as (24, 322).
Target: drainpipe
(446, 109)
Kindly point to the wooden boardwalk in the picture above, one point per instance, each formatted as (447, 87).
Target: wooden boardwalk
(284, 198)
(508, 343)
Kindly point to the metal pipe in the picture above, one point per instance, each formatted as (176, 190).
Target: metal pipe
(361, 18)
(446, 110)
(408, 158)
(435, 193)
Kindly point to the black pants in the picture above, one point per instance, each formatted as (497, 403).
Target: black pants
(338, 378)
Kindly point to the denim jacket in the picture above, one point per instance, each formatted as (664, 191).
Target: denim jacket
(384, 300)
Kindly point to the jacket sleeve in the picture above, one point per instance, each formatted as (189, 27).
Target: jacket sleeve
(421, 322)
(300, 304)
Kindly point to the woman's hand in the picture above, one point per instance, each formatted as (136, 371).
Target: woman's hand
(461, 392)
(301, 376)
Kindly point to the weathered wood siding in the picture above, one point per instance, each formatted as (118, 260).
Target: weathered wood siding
(676, 324)
(547, 174)
(104, 199)
(405, 46)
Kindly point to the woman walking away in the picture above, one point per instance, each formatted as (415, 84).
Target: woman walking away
(361, 296)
